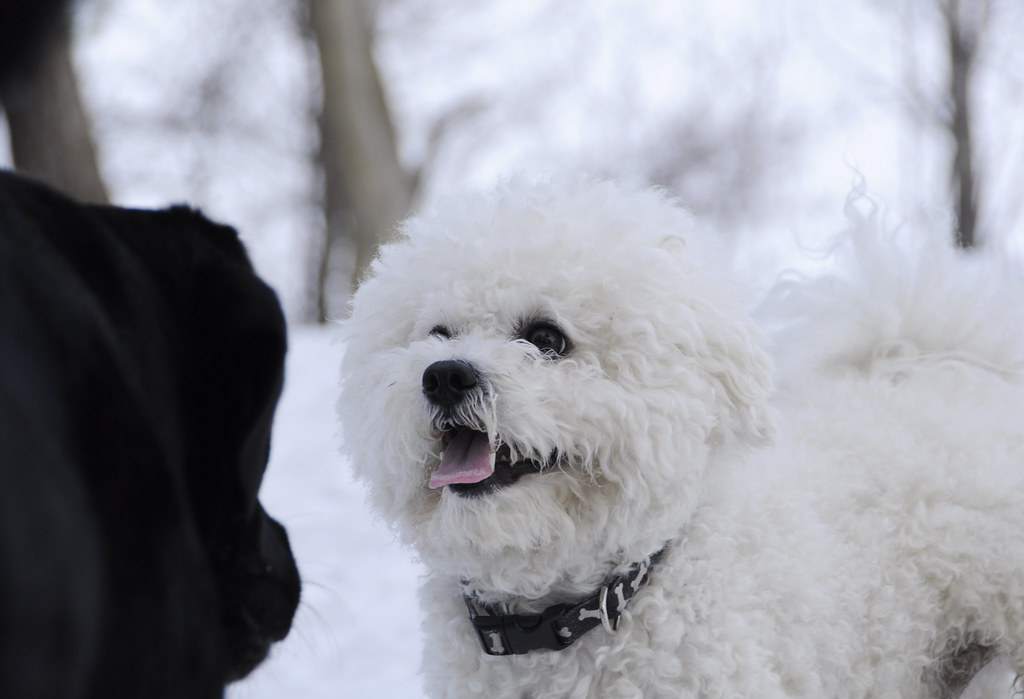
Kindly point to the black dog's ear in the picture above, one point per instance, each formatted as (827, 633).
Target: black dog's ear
(231, 352)
(238, 344)
(235, 344)
(223, 333)
(240, 373)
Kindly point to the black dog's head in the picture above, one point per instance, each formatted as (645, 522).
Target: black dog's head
(233, 341)
(141, 359)
(237, 364)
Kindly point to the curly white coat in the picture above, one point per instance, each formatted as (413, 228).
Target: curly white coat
(845, 526)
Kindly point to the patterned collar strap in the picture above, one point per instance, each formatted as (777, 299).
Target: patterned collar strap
(559, 626)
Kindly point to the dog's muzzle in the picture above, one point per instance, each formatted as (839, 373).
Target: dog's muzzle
(472, 461)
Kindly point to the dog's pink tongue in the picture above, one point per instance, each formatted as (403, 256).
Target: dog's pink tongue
(466, 460)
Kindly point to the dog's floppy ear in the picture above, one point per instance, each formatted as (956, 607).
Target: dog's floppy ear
(231, 349)
(225, 349)
(742, 369)
(241, 371)
(238, 347)
(734, 352)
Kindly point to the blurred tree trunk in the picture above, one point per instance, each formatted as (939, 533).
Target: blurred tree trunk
(49, 128)
(963, 35)
(367, 191)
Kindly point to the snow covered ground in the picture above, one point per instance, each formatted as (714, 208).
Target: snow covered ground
(357, 630)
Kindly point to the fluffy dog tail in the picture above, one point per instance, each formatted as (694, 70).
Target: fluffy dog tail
(891, 303)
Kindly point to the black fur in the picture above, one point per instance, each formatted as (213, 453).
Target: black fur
(141, 359)
(24, 26)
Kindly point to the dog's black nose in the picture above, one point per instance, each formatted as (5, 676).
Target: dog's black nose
(448, 382)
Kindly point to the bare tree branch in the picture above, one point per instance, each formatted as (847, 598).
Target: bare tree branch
(963, 39)
(367, 191)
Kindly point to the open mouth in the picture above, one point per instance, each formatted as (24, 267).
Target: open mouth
(471, 465)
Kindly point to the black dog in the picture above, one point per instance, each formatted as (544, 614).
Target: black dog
(140, 363)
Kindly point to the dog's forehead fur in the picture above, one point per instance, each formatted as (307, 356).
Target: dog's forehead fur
(575, 253)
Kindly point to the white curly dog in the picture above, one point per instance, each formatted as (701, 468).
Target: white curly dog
(556, 396)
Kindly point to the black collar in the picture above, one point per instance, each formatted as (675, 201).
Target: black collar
(559, 626)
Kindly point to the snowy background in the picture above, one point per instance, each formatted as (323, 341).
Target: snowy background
(357, 630)
(760, 114)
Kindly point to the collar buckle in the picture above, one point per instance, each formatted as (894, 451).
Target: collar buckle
(610, 625)
(516, 634)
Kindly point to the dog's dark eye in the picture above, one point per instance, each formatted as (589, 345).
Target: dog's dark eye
(441, 332)
(548, 339)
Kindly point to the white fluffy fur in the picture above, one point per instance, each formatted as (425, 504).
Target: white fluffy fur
(841, 535)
